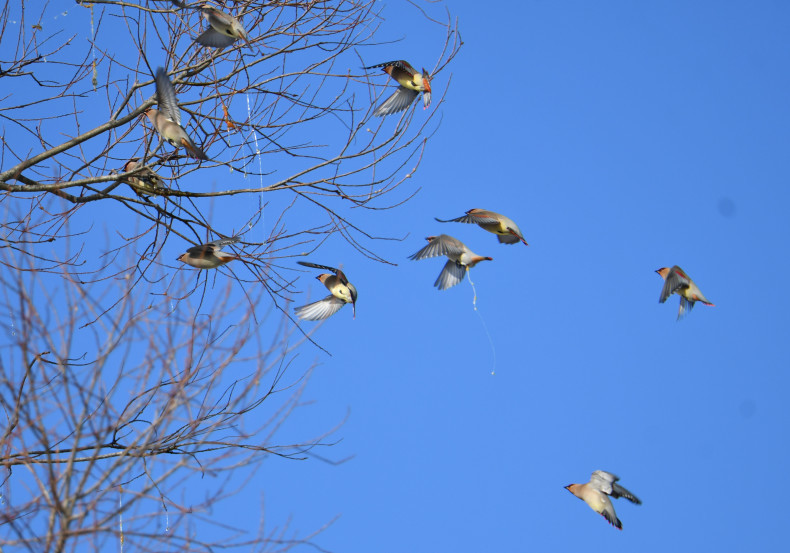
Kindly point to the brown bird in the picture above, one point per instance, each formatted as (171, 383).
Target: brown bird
(210, 255)
(167, 120)
(223, 29)
(342, 292)
(506, 230)
(144, 181)
(676, 281)
(411, 84)
(460, 259)
(596, 494)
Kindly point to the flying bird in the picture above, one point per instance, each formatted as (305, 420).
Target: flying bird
(145, 180)
(342, 292)
(410, 82)
(596, 492)
(167, 119)
(676, 281)
(506, 230)
(223, 29)
(460, 259)
(210, 255)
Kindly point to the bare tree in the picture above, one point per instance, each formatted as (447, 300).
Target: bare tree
(107, 424)
(282, 113)
(117, 392)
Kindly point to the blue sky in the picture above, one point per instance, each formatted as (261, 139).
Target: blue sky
(622, 137)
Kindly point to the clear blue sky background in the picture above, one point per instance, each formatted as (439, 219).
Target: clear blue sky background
(621, 137)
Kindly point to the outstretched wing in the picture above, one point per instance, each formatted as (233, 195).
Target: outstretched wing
(399, 101)
(166, 97)
(441, 245)
(676, 279)
(452, 273)
(320, 309)
(400, 64)
(214, 39)
(473, 216)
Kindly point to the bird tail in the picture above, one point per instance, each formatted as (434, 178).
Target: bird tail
(194, 149)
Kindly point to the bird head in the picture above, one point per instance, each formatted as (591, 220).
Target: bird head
(353, 290)
(663, 271)
(426, 81)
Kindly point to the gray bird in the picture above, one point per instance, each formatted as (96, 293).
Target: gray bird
(167, 120)
(596, 494)
(460, 259)
(209, 255)
(143, 181)
(411, 82)
(342, 292)
(506, 230)
(223, 29)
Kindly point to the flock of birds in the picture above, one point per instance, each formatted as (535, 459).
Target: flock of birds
(223, 31)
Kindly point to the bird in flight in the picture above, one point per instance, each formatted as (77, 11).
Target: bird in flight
(459, 259)
(167, 119)
(209, 255)
(410, 82)
(506, 230)
(597, 491)
(341, 293)
(676, 281)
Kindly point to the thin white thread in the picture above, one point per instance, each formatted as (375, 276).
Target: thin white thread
(258, 155)
(120, 515)
(94, 80)
(485, 327)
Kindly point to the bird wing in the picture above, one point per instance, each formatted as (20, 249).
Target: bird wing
(619, 491)
(452, 273)
(340, 274)
(676, 279)
(214, 39)
(166, 97)
(475, 217)
(602, 481)
(320, 309)
(202, 250)
(400, 64)
(441, 245)
(399, 101)
(317, 266)
(685, 307)
(511, 238)
(608, 513)
(223, 242)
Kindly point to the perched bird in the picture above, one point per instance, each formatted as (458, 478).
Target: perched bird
(596, 492)
(506, 230)
(460, 259)
(676, 281)
(167, 120)
(342, 292)
(210, 255)
(144, 181)
(223, 29)
(411, 84)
